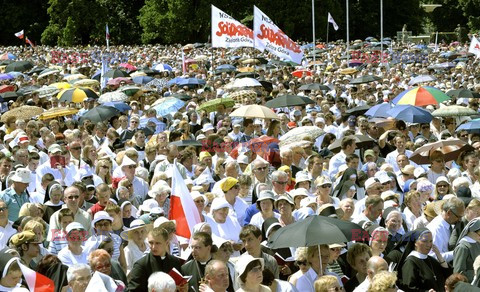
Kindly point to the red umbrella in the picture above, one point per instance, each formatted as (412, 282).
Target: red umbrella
(7, 88)
(302, 72)
(190, 61)
(264, 146)
(127, 66)
(118, 80)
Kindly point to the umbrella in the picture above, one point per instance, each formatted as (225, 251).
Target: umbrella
(348, 71)
(76, 94)
(138, 74)
(120, 106)
(463, 93)
(116, 73)
(181, 96)
(246, 70)
(113, 96)
(226, 68)
(288, 101)
(116, 81)
(300, 133)
(264, 146)
(254, 111)
(163, 68)
(365, 79)
(211, 105)
(86, 83)
(7, 88)
(420, 96)
(167, 105)
(10, 95)
(191, 82)
(8, 56)
(454, 111)
(314, 230)
(301, 72)
(131, 90)
(421, 78)
(410, 113)
(128, 66)
(74, 77)
(241, 94)
(19, 66)
(61, 85)
(57, 112)
(47, 91)
(245, 82)
(185, 143)
(358, 110)
(267, 85)
(362, 141)
(142, 79)
(25, 90)
(451, 148)
(99, 114)
(6, 76)
(472, 126)
(314, 86)
(157, 83)
(24, 112)
(379, 110)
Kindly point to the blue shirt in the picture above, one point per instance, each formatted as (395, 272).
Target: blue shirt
(14, 202)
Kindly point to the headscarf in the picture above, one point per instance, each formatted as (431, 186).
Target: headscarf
(345, 188)
(410, 238)
(345, 178)
(48, 190)
(472, 226)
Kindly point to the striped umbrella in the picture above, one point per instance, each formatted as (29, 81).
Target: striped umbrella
(76, 95)
(421, 96)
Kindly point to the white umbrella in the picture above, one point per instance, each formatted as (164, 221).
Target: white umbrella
(113, 96)
(255, 111)
(245, 82)
(421, 79)
(47, 73)
(47, 91)
(299, 133)
(454, 111)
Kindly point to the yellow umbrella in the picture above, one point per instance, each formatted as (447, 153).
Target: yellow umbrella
(57, 112)
(76, 95)
(61, 85)
(348, 71)
(245, 69)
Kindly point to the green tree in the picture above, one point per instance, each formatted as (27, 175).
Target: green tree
(447, 17)
(68, 36)
(471, 12)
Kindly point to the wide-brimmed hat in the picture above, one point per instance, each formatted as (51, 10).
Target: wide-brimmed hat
(99, 216)
(134, 225)
(159, 221)
(243, 262)
(24, 237)
(22, 175)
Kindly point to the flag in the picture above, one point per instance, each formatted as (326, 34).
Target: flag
(107, 32)
(267, 36)
(474, 47)
(36, 281)
(330, 19)
(29, 42)
(19, 34)
(182, 208)
(228, 32)
(103, 79)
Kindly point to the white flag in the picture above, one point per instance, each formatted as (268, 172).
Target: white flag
(268, 36)
(330, 19)
(228, 32)
(474, 47)
(19, 34)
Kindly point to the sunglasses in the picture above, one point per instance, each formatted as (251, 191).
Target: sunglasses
(261, 168)
(300, 263)
(326, 186)
(76, 148)
(2, 209)
(131, 166)
(281, 182)
(73, 197)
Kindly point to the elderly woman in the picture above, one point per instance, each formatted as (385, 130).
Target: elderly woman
(413, 209)
(265, 204)
(100, 260)
(327, 283)
(467, 249)
(160, 192)
(250, 277)
(223, 225)
(442, 188)
(426, 188)
(417, 270)
(357, 257)
(137, 243)
(348, 207)
(393, 220)
(284, 205)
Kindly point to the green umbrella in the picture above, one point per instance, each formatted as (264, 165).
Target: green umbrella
(130, 90)
(314, 86)
(211, 105)
(19, 66)
(365, 79)
(465, 93)
(288, 101)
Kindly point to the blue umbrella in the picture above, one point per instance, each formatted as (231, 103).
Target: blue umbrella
(142, 79)
(6, 76)
(191, 82)
(226, 67)
(168, 105)
(121, 106)
(379, 110)
(410, 113)
(162, 67)
(472, 127)
(10, 56)
(175, 80)
(15, 74)
(421, 79)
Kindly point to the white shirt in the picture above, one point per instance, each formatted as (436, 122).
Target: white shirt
(441, 234)
(336, 161)
(5, 234)
(392, 159)
(133, 254)
(409, 218)
(69, 259)
(238, 209)
(258, 220)
(363, 287)
(306, 281)
(45, 168)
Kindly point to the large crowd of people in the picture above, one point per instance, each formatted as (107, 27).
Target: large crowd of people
(88, 203)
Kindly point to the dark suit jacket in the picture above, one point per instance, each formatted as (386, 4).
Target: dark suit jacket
(190, 269)
(148, 265)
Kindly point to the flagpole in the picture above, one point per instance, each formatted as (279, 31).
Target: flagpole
(381, 32)
(348, 36)
(328, 25)
(108, 39)
(313, 29)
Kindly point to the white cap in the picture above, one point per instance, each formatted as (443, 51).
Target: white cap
(242, 158)
(369, 182)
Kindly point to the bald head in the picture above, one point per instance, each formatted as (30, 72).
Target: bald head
(375, 265)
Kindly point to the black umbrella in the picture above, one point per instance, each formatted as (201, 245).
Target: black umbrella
(10, 95)
(185, 143)
(362, 141)
(314, 86)
(267, 85)
(365, 79)
(352, 231)
(100, 114)
(114, 73)
(313, 230)
(19, 66)
(6, 62)
(288, 100)
(247, 74)
(28, 89)
(181, 96)
(463, 93)
(359, 110)
(36, 70)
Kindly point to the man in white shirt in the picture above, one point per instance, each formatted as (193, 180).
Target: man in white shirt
(348, 147)
(442, 225)
(373, 210)
(391, 158)
(63, 174)
(375, 265)
(6, 229)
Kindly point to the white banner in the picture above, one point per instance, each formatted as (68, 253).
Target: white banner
(228, 32)
(474, 47)
(332, 21)
(269, 37)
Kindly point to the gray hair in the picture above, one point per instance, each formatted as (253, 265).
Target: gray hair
(278, 174)
(159, 281)
(235, 163)
(75, 268)
(453, 204)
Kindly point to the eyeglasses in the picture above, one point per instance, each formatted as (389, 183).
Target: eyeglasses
(464, 135)
(256, 269)
(73, 197)
(281, 182)
(105, 223)
(326, 186)
(300, 263)
(3, 209)
(131, 166)
(455, 214)
(134, 122)
(104, 166)
(442, 186)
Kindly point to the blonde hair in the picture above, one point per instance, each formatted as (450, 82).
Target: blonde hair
(382, 282)
(324, 283)
(158, 177)
(25, 210)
